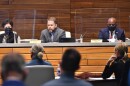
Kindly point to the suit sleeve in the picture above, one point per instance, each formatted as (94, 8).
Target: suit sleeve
(63, 34)
(109, 69)
(42, 38)
(123, 36)
(100, 36)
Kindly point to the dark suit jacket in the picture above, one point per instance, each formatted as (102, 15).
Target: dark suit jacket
(13, 83)
(115, 67)
(46, 36)
(67, 80)
(10, 39)
(104, 34)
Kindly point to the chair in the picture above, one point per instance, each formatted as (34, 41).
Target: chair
(39, 74)
(67, 34)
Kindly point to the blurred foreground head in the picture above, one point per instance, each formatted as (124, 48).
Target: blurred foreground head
(12, 65)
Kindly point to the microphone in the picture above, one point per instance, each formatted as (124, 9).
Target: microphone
(46, 55)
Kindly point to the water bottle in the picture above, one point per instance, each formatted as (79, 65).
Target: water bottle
(58, 71)
(81, 38)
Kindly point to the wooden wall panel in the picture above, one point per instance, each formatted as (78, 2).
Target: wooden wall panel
(65, 11)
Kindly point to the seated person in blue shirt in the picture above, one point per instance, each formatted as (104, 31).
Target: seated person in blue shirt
(37, 55)
(12, 70)
(112, 31)
(69, 65)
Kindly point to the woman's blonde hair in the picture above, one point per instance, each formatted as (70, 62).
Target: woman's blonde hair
(38, 50)
(122, 48)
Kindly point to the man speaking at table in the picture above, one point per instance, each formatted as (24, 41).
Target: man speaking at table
(52, 33)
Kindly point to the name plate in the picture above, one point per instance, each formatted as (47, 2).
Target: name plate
(30, 41)
(96, 40)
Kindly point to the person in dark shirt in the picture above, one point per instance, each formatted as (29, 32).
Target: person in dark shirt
(8, 36)
(68, 65)
(37, 55)
(116, 62)
(13, 72)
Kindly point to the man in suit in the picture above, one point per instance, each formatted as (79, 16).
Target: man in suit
(68, 65)
(12, 70)
(112, 31)
(52, 33)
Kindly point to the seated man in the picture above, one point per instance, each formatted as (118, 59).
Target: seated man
(112, 31)
(52, 33)
(37, 56)
(12, 70)
(69, 64)
(8, 36)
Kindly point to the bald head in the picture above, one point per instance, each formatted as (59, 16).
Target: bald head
(112, 20)
(111, 24)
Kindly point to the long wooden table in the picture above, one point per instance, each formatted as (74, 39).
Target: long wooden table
(94, 55)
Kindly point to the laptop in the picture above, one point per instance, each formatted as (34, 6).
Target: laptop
(62, 40)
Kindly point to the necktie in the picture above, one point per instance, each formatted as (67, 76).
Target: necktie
(52, 37)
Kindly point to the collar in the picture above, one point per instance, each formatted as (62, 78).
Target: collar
(67, 75)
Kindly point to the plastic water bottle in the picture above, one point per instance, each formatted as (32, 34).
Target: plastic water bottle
(81, 38)
(58, 71)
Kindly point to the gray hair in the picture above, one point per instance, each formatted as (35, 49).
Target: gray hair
(38, 50)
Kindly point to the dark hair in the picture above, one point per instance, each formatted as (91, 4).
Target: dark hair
(6, 21)
(70, 60)
(12, 62)
(52, 19)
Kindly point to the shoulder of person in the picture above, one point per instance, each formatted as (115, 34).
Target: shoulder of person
(83, 83)
(104, 29)
(47, 63)
(44, 30)
(119, 29)
(59, 29)
(52, 82)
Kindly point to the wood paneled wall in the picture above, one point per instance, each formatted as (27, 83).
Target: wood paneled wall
(76, 16)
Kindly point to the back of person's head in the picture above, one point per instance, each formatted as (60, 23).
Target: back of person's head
(122, 48)
(6, 21)
(70, 60)
(37, 51)
(12, 63)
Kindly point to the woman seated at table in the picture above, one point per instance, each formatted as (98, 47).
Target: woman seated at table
(114, 65)
(116, 62)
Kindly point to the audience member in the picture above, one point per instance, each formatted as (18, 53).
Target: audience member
(69, 64)
(125, 80)
(37, 55)
(116, 62)
(12, 70)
